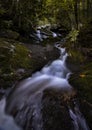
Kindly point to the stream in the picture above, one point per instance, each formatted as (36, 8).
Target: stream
(25, 100)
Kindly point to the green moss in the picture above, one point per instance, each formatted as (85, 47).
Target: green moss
(76, 55)
(20, 58)
(13, 56)
(83, 82)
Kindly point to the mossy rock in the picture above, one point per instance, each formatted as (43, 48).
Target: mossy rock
(82, 81)
(13, 56)
(75, 58)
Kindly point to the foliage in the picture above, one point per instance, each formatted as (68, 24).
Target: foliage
(25, 15)
(70, 13)
(72, 36)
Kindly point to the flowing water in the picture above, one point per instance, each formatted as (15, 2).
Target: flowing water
(30, 91)
(6, 121)
(79, 121)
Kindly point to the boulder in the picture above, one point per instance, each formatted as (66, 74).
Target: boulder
(42, 55)
(55, 110)
(51, 114)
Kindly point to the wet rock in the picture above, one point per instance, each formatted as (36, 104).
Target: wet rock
(60, 29)
(55, 111)
(75, 59)
(73, 65)
(13, 57)
(18, 60)
(42, 55)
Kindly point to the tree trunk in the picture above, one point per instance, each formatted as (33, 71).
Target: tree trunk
(84, 9)
(88, 8)
(76, 13)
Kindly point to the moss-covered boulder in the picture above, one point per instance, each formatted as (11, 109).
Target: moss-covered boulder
(42, 55)
(75, 59)
(82, 81)
(14, 62)
(18, 60)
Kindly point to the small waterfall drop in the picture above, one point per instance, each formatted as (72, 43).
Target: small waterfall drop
(78, 119)
(30, 91)
(38, 33)
(54, 34)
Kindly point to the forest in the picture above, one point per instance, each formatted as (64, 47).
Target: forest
(45, 64)
(21, 15)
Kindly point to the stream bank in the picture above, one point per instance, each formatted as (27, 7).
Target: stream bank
(81, 79)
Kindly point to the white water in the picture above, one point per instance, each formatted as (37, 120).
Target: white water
(38, 33)
(42, 35)
(30, 91)
(78, 119)
(54, 34)
(6, 121)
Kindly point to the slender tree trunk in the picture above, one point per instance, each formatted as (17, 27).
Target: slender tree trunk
(84, 9)
(79, 15)
(88, 8)
(76, 13)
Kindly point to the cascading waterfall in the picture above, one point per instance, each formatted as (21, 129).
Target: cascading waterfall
(30, 91)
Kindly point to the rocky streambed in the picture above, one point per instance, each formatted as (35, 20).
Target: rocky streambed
(58, 109)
